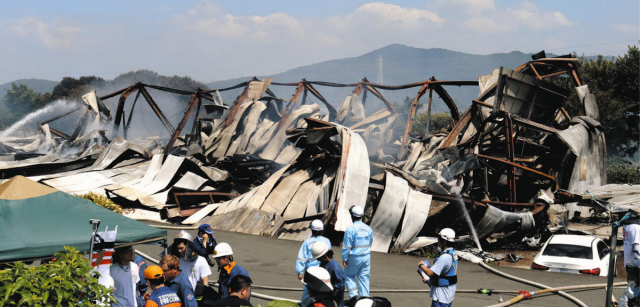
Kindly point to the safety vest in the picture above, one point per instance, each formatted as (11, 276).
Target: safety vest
(449, 278)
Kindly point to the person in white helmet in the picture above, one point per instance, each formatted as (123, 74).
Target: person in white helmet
(318, 283)
(194, 266)
(324, 254)
(365, 302)
(356, 254)
(223, 255)
(305, 255)
(442, 275)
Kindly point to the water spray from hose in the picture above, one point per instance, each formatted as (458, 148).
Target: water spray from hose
(463, 210)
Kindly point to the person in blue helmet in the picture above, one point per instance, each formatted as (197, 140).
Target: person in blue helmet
(205, 243)
(305, 256)
(324, 254)
(356, 254)
(442, 275)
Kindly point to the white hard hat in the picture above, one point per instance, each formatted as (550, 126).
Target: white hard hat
(448, 234)
(356, 211)
(318, 249)
(317, 225)
(365, 302)
(184, 235)
(318, 279)
(221, 250)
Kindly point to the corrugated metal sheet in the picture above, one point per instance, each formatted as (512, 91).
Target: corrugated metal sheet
(306, 196)
(389, 212)
(280, 138)
(281, 195)
(299, 231)
(356, 178)
(417, 211)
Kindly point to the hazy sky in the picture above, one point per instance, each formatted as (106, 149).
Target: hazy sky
(216, 40)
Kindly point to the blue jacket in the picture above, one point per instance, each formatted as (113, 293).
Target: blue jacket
(305, 258)
(204, 250)
(163, 297)
(182, 287)
(226, 274)
(357, 240)
(142, 284)
(337, 281)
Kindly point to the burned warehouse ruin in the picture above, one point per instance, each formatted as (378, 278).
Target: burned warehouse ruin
(514, 167)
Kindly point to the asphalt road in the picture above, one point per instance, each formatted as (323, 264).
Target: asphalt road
(271, 262)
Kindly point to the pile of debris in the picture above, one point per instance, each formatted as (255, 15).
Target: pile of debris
(508, 169)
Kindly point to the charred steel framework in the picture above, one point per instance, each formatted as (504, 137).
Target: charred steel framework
(541, 68)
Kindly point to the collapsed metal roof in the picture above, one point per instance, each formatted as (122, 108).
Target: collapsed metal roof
(264, 165)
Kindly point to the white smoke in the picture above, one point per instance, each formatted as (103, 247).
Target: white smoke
(51, 110)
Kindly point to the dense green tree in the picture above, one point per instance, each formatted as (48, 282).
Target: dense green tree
(20, 99)
(620, 170)
(153, 78)
(6, 118)
(616, 86)
(73, 89)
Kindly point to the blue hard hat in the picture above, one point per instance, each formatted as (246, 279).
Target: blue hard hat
(206, 228)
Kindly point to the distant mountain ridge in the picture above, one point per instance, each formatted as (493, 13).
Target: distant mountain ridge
(401, 65)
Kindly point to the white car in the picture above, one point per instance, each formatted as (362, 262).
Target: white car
(573, 254)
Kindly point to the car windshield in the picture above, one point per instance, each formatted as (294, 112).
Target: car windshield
(568, 250)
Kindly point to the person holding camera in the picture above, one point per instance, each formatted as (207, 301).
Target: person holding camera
(205, 242)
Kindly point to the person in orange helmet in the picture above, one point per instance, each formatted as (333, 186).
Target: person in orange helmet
(161, 296)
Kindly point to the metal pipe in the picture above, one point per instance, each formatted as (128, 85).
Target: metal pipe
(95, 225)
(612, 263)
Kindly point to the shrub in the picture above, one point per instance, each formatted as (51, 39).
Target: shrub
(439, 122)
(102, 201)
(68, 281)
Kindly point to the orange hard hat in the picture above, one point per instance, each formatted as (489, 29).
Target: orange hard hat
(153, 272)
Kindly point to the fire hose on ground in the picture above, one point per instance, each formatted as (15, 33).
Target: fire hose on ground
(524, 295)
(521, 295)
(532, 283)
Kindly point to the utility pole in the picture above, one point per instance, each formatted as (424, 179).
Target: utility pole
(379, 80)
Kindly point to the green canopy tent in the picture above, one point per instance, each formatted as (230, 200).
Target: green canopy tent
(36, 221)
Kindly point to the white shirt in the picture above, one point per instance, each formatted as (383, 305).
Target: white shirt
(125, 284)
(195, 270)
(631, 237)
